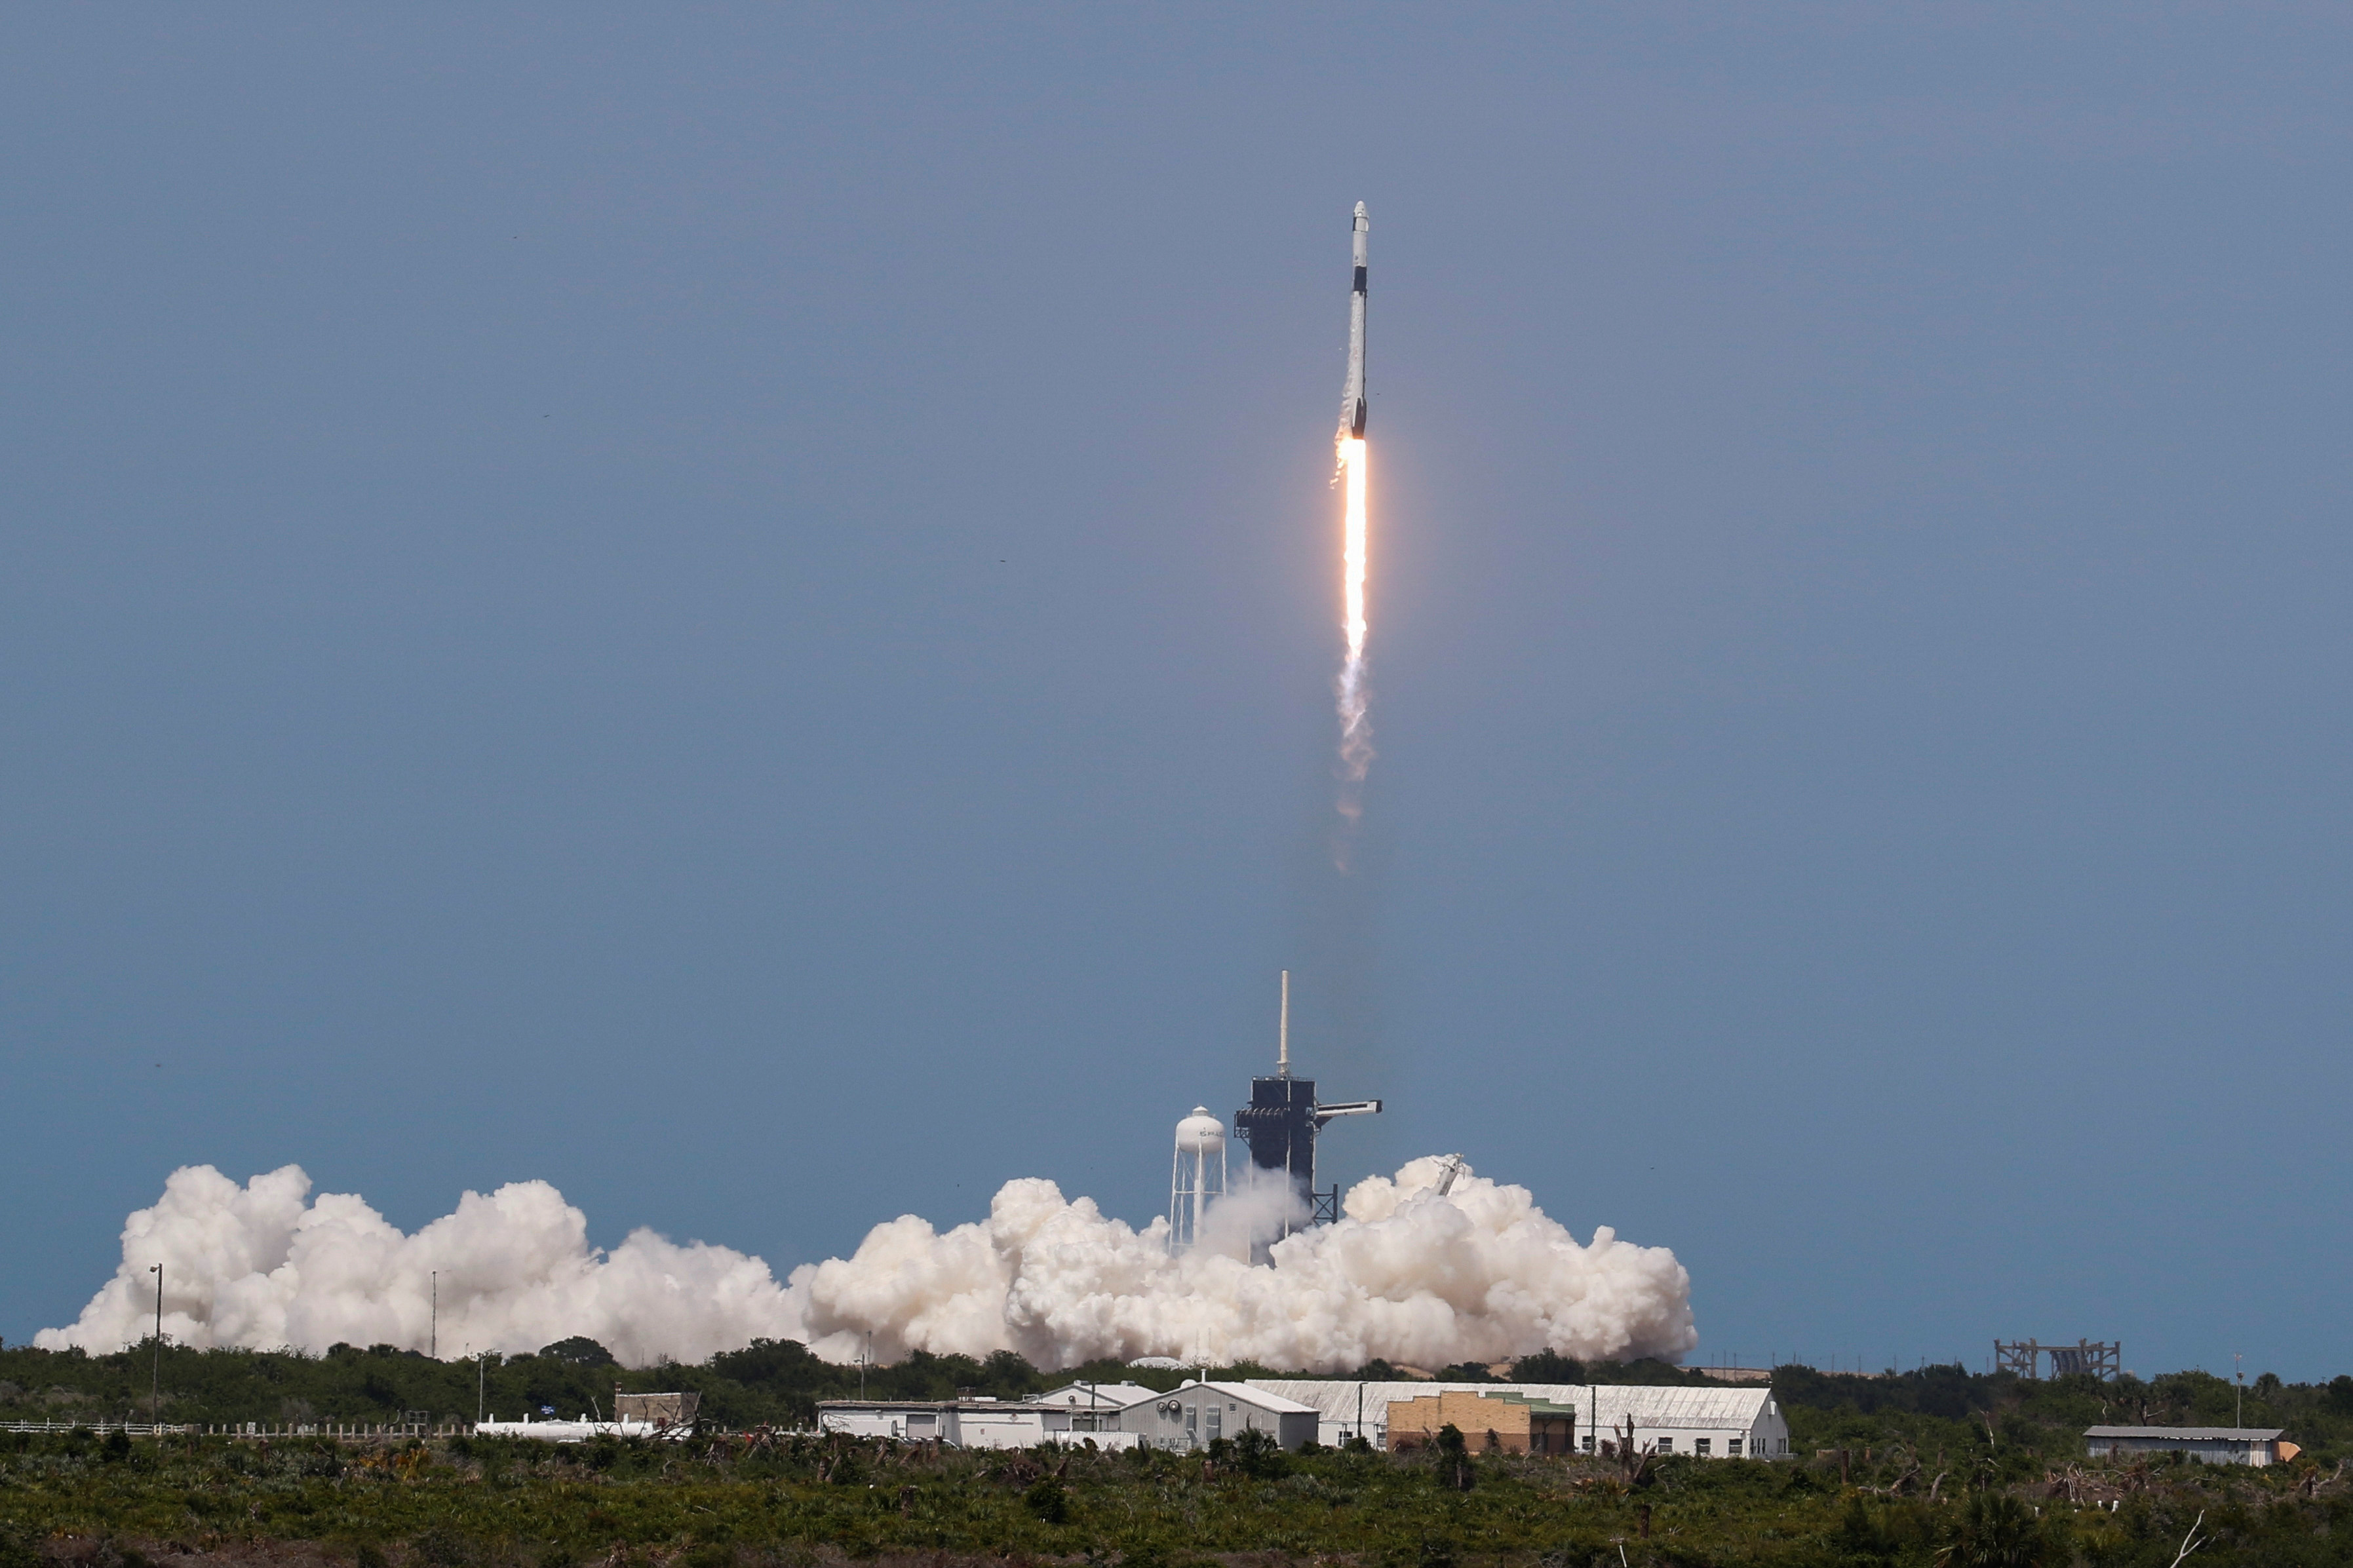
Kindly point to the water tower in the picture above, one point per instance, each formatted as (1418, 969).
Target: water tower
(1198, 1175)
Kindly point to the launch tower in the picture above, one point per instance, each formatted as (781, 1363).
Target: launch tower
(1282, 1120)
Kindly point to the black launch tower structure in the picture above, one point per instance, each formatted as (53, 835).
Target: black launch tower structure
(1281, 1120)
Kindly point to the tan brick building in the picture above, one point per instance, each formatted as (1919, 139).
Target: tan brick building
(1512, 1423)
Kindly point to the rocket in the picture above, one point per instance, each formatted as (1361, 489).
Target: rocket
(1352, 395)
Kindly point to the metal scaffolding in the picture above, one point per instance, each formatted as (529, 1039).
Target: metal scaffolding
(2102, 1359)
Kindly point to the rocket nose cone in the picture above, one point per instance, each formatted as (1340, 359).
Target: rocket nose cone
(1360, 212)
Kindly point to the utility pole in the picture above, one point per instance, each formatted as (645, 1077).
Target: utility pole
(2239, 1372)
(865, 1360)
(481, 1377)
(435, 1340)
(155, 1404)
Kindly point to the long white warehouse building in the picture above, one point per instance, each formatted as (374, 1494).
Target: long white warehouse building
(1109, 1416)
(1712, 1422)
(1708, 1423)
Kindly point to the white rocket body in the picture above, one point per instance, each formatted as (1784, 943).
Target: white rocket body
(1352, 395)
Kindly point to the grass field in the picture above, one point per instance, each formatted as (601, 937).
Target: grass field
(115, 1502)
(1935, 1467)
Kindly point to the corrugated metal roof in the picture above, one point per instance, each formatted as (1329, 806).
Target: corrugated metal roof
(1091, 1395)
(2191, 1434)
(886, 1404)
(1269, 1398)
(1009, 1407)
(1607, 1403)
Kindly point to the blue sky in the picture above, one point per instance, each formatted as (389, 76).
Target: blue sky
(734, 606)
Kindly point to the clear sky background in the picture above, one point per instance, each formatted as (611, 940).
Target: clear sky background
(734, 607)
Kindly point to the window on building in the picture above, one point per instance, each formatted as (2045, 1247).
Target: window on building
(1665, 1445)
(1589, 1442)
(1732, 1448)
(1700, 1446)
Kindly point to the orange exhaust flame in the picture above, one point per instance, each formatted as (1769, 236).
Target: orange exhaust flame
(1356, 730)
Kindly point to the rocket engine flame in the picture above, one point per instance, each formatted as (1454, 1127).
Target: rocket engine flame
(1352, 547)
(1355, 733)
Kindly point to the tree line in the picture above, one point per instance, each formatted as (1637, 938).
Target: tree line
(780, 1382)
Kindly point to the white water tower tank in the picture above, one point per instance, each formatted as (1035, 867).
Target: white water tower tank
(1197, 1176)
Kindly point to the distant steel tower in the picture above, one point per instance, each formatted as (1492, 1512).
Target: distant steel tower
(1282, 1118)
(1198, 1175)
(2101, 1358)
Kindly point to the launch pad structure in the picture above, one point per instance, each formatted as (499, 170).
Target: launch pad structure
(1281, 1120)
(2103, 1359)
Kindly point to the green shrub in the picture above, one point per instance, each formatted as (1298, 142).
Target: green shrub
(1862, 1538)
(440, 1546)
(1259, 1455)
(1453, 1456)
(1995, 1530)
(1430, 1552)
(1049, 1500)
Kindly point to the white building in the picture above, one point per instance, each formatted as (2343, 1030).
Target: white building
(1198, 1413)
(2211, 1445)
(974, 1423)
(1111, 1416)
(1712, 1422)
(1094, 1397)
(582, 1430)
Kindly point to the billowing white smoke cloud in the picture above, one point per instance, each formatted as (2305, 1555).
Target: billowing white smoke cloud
(260, 1267)
(1407, 1274)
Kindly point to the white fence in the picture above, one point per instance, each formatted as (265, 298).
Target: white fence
(249, 1428)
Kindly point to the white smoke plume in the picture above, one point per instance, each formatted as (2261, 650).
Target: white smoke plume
(1407, 1274)
(265, 1266)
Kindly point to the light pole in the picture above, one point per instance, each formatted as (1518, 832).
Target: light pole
(2239, 1372)
(434, 1344)
(155, 1397)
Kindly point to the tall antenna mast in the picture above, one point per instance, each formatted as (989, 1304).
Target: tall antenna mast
(1282, 1031)
(1282, 1120)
